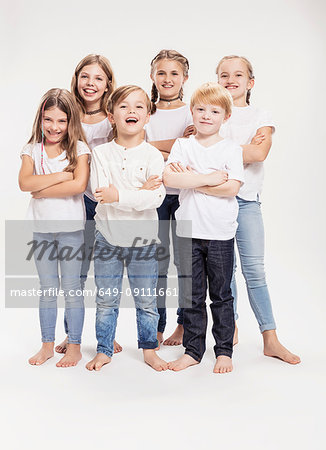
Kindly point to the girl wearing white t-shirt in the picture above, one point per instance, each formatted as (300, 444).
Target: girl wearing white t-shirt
(55, 169)
(170, 119)
(252, 128)
(91, 85)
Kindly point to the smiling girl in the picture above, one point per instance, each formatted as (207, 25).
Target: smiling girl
(91, 86)
(55, 169)
(170, 119)
(252, 128)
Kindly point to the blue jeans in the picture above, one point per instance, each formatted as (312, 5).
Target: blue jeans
(141, 265)
(166, 215)
(250, 243)
(212, 261)
(47, 261)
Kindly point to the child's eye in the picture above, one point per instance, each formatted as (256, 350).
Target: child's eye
(99, 79)
(46, 119)
(140, 107)
(122, 106)
(239, 75)
(216, 112)
(83, 76)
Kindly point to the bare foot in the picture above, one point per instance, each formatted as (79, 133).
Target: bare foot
(43, 355)
(273, 347)
(223, 364)
(98, 362)
(151, 358)
(176, 337)
(235, 336)
(71, 357)
(116, 347)
(61, 348)
(182, 363)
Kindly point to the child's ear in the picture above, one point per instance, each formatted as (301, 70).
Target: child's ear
(226, 117)
(251, 84)
(110, 117)
(147, 117)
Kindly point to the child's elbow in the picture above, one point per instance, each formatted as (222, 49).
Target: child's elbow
(23, 186)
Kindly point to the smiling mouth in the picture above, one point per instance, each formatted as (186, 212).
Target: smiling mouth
(89, 91)
(231, 86)
(131, 120)
(206, 123)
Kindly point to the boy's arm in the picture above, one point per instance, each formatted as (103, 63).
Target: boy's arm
(144, 199)
(228, 189)
(258, 152)
(69, 188)
(29, 182)
(185, 179)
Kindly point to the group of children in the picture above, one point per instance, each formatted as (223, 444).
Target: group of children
(150, 172)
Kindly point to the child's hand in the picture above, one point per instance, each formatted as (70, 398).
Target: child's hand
(107, 194)
(178, 167)
(191, 129)
(258, 138)
(153, 182)
(217, 177)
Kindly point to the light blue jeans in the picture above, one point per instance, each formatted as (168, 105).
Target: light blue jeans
(58, 249)
(250, 243)
(142, 272)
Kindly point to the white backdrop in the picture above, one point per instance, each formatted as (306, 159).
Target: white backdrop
(41, 43)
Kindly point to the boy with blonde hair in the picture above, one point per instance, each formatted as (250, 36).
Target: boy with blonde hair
(209, 171)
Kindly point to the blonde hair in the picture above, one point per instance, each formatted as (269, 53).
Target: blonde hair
(105, 65)
(63, 100)
(119, 95)
(171, 55)
(212, 94)
(250, 70)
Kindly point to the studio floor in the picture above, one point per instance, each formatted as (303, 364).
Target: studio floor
(264, 403)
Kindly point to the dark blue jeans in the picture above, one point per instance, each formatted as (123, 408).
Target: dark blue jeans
(166, 222)
(89, 238)
(212, 261)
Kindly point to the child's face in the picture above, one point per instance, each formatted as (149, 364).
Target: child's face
(208, 119)
(168, 78)
(130, 115)
(233, 75)
(55, 125)
(92, 83)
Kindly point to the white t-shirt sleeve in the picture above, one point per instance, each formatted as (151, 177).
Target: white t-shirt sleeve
(83, 149)
(265, 120)
(235, 164)
(27, 150)
(142, 199)
(176, 154)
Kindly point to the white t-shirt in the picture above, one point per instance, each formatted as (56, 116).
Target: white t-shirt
(96, 134)
(242, 127)
(168, 124)
(134, 215)
(213, 218)
(53, 215)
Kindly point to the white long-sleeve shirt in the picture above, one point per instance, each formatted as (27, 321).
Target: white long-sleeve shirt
(132, 221)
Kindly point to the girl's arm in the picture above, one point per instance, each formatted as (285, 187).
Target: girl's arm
(29, 182)
(258, 152)
(69, 188)
(176, 176)
(164, 147)
(228, 189)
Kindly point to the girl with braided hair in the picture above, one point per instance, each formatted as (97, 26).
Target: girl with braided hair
(170, 119)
